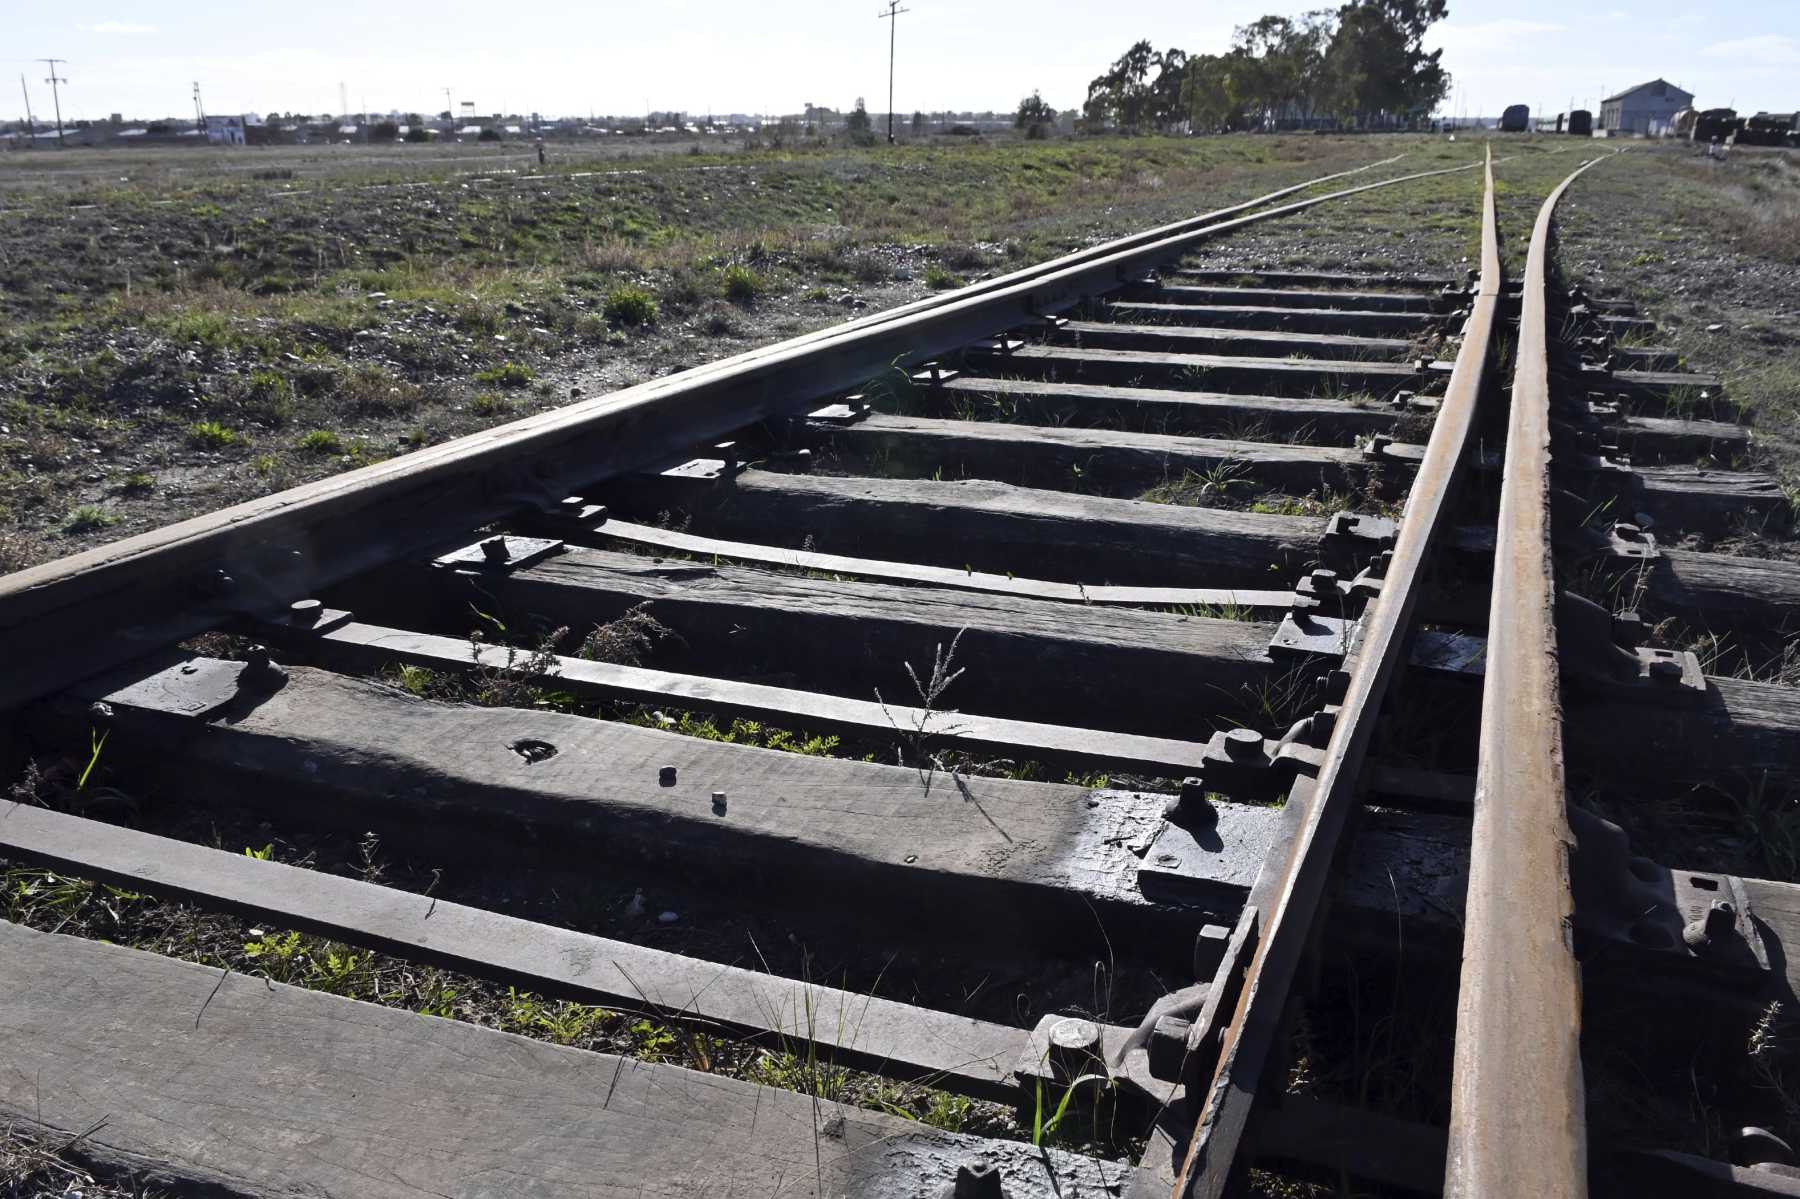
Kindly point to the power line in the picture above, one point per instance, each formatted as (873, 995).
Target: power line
(892, 16)
(55, 98)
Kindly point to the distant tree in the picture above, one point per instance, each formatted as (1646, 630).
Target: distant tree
(488, 134)
(1377, 63)
(860, 128)
(444, 116)
(383, 131)
(417, 133)
(413, 118)
(1127, 96)
(1034, 116)
(918, 124)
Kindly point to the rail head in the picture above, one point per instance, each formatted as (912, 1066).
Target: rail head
(1516, 1119)
(1288, 891)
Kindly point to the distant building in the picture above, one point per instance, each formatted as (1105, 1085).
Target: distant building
(1647, 110)
(225, 131)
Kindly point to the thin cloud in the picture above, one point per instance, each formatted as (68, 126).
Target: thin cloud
(122, 28)
(1766, 49)
(1488, 35)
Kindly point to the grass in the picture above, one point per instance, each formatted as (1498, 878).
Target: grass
(210, 435)
(630, 306)
(509, 375)
(321, 441)
(741, 284)
(87, 517)
(939, 278)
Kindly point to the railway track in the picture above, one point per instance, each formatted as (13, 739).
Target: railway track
(1277, 571)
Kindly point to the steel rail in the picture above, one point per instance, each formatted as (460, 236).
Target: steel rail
(276, 548)
(1516, 1118)
(1284, 902)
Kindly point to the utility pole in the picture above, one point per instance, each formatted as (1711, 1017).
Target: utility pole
(199, 108)
(892, 16)
(30, 121)
(55, 98)
(449, 111)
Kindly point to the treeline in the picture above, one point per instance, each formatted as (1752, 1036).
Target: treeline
(1359, 65)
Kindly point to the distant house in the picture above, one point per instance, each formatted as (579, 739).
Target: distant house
(225, 131)
(1647, 110)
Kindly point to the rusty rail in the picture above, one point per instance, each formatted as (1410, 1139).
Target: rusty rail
(1286, 897)
(1516, 1119)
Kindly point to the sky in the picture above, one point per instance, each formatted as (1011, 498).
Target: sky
(701, 56)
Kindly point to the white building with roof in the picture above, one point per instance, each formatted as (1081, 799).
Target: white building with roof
(1647, 110)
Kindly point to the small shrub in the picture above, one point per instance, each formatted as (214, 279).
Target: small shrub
(270, 398)
(87, 518)
(210, 435)
(939, 279)
(871, 268)
(718, 322)
(487, 404)
(137, 483)
(685, 290)
(263, 464)
(321, 442)
(742, 285)
(630, 306)
(507, 374)
(373, 391)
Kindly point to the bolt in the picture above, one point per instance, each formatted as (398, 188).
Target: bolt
(666, 776)
(1167, 860)
(1666, 670)
(305, 612)
(1168, 1047)
(1711, 929)
(1348, 519)
(1626, 531)
(1379, 442)
(260, 670)
(718, 803)
(495, 551)
(1192, 806)
(1074, 1049)
(1323, 580)
(979, 1179)
(1243, 743)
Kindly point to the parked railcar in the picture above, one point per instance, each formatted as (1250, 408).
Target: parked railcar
(1516, 118)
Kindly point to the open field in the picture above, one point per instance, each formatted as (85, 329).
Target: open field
(187, 330)
(177, 342)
